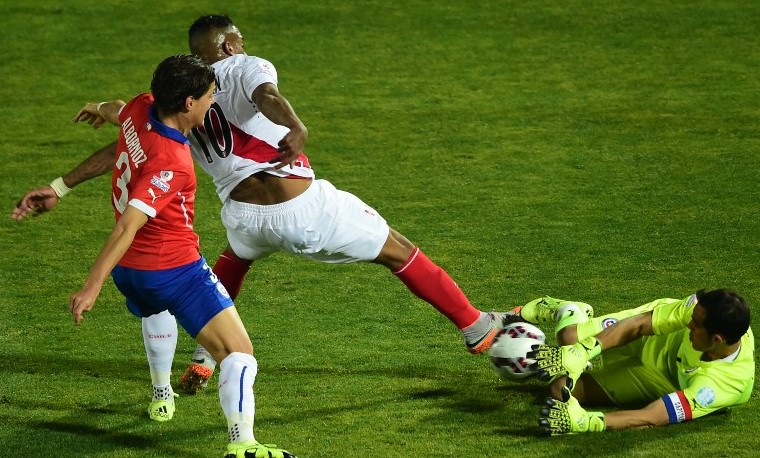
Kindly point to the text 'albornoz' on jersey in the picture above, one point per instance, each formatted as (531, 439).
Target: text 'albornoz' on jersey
(136, 153)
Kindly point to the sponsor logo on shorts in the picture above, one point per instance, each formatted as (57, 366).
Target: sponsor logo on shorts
(705, 396)
(607, 322)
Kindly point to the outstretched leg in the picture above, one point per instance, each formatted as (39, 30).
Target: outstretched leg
(431, 283)
(565, 315)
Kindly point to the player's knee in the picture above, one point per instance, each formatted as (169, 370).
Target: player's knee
(396, 251)
(555, 388)
(229, 348)
(242, 345)
(567, 335)
(401, 240)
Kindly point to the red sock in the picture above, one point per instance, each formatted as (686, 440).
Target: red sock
(432, 284)
(231, 272)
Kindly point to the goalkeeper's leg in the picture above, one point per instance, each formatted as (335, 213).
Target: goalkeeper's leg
(586, 390)
(565, 315)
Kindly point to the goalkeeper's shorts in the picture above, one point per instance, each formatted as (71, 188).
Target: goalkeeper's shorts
(626, 380)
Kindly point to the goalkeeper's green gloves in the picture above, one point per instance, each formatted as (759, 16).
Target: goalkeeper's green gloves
(569, 360)
(568, 417)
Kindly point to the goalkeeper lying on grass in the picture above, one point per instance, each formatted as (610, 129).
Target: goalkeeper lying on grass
(679, 359)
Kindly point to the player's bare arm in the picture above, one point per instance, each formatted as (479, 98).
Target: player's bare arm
(655, 414)
(277, 109)
(43, 199)
(97, 114)
(113, 250)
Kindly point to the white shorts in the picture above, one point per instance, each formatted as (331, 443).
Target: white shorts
(323, 224)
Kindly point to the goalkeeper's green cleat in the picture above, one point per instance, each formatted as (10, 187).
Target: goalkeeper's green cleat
(162, 410)
(568, 417)
(549, 310)
(253, 449)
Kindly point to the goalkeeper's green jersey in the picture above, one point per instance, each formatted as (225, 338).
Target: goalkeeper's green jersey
(705, 386)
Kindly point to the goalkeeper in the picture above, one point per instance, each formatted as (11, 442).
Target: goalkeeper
(675, 359)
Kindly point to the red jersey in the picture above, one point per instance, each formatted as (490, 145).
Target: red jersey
(154, 173)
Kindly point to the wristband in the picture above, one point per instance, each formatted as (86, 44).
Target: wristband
(60, 187)
(593, 347)
(97, 108)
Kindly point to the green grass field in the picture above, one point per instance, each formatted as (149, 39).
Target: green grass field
(599, 151)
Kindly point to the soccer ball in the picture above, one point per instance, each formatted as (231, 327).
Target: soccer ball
(508, 353)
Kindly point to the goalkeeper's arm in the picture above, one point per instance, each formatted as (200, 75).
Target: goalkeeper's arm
(568, 417)
(655, 414)
(626, 331)
(571, 360)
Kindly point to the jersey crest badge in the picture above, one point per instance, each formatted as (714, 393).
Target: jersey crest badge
(607, 322)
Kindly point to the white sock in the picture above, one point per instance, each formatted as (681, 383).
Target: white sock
(160, 338)
(237, 372)
(163, 393)
(202, 356)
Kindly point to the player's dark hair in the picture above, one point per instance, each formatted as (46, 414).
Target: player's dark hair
(727, 313)
(178, 77)
(204, 25)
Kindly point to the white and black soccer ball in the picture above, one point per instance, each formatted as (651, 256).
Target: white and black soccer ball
(509, 350)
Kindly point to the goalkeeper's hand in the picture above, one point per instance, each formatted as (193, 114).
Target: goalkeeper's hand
(569, 360)
(568, 417)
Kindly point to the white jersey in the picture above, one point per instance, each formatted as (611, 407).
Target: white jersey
(236, 140)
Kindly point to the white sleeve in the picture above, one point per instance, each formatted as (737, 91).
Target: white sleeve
(256, 72)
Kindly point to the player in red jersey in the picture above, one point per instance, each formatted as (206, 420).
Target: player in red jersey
(152, 252)
(252, 144)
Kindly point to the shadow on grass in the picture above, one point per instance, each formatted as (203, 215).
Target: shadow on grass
(125, 368)
(101, 440)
